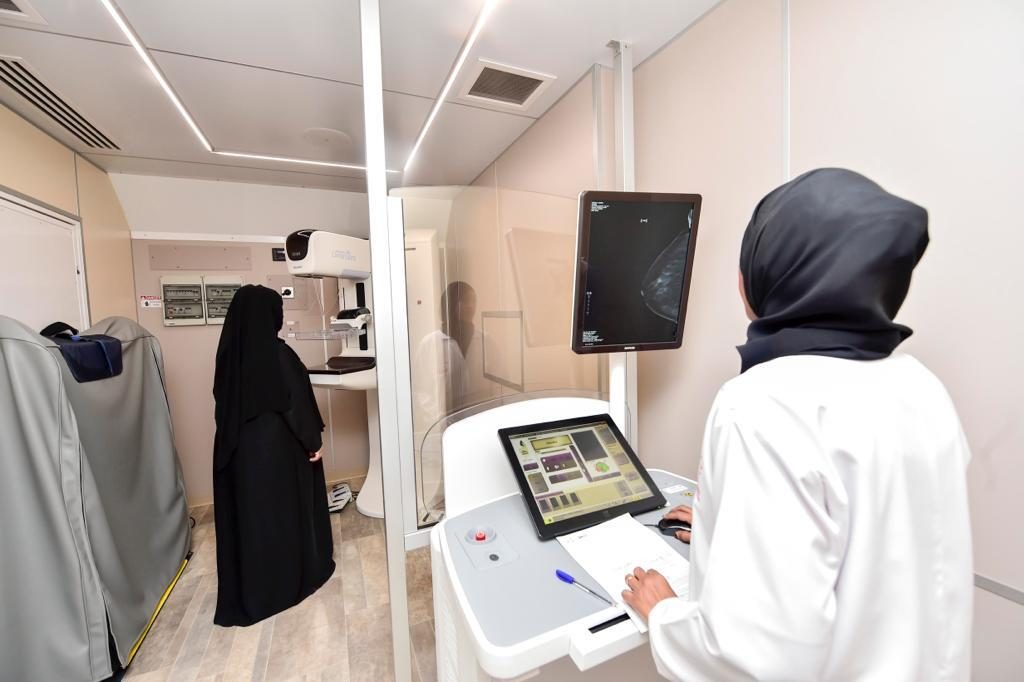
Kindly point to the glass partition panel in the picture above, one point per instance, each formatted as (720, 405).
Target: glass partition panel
(489, 282)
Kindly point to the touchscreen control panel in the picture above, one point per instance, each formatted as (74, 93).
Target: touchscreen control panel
(578, 470)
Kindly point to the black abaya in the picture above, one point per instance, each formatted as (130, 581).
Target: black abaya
(274, 545)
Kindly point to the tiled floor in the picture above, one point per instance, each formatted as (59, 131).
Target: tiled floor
(340, 634)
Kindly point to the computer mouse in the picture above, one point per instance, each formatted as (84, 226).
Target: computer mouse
(671, 526)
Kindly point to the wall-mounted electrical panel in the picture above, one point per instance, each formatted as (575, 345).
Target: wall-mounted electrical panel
(218, 291)
(183, 300)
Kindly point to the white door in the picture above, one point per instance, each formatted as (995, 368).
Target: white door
(41, 271)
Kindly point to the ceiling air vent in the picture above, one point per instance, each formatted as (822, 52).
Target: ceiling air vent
(510, 88)
(504, 85)
(19, 10)
(16, 76)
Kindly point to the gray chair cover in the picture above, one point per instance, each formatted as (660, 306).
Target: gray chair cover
(52, 618)
(95, 521)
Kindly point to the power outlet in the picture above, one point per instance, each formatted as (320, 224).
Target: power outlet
(287, 292)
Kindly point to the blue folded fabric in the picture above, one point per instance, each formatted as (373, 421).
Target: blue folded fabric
(90, 357)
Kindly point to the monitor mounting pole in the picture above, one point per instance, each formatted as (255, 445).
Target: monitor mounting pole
(622, 367)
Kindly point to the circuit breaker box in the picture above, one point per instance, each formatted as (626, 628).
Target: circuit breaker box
(183, 300)
(218, 291)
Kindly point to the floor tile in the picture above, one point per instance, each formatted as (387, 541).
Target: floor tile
(342, 633)
(193, 647)
(424, 652)
(369, 645)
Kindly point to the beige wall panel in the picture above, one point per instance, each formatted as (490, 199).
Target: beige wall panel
(537, 248)
(539, 179)
(107, 244)
(997, 654)
(708, 120)
(199, 257)
(189, 359)
(36, 165)
(473, 257)
(556, 154)
(927, 98)
(33, 163)
(346, 439)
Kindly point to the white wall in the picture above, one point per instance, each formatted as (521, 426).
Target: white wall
(708, 113)
(927, 98)
(428, 208)
(160, 204)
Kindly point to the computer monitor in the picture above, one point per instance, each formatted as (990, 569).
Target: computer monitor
(634, 256)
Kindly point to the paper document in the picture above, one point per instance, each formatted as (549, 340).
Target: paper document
(610, 550)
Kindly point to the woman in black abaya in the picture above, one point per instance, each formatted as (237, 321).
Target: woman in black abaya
(274, 545)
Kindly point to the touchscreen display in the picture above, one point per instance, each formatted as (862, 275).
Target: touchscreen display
(577, 470)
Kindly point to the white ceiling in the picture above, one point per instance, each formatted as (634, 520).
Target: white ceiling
(256, 78)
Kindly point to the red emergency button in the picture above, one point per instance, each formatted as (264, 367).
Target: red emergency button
(480, 536)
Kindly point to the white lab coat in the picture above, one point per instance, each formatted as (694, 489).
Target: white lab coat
(831, 538)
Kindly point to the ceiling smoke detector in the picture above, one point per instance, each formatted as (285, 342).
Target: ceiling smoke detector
(336, 141)
(504, 86)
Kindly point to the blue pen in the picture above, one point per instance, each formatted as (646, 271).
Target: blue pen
(566, 578)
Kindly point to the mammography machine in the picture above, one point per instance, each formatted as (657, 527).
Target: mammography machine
(317, 253)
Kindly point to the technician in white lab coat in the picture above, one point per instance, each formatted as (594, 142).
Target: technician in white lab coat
(831, 538)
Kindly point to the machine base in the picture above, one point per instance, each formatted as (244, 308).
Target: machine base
(370, 501)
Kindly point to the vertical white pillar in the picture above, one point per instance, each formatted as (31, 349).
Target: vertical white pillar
(625, 170)
(388, 412)
(622, 367)
(403, 373)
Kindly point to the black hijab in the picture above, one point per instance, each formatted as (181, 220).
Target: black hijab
(826, 263)
(248, 380)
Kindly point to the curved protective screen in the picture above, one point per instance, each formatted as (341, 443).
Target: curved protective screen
(633, 261)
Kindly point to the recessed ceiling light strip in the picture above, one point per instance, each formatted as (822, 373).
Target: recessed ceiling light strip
(129, 33)
(119, 19)
(478, 26)
(287, 159)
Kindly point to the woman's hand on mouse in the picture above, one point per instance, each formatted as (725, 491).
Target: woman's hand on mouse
(681, 513)
(644, 589)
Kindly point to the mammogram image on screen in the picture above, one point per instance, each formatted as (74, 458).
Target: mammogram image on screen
(663, 284)
(636, 270)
